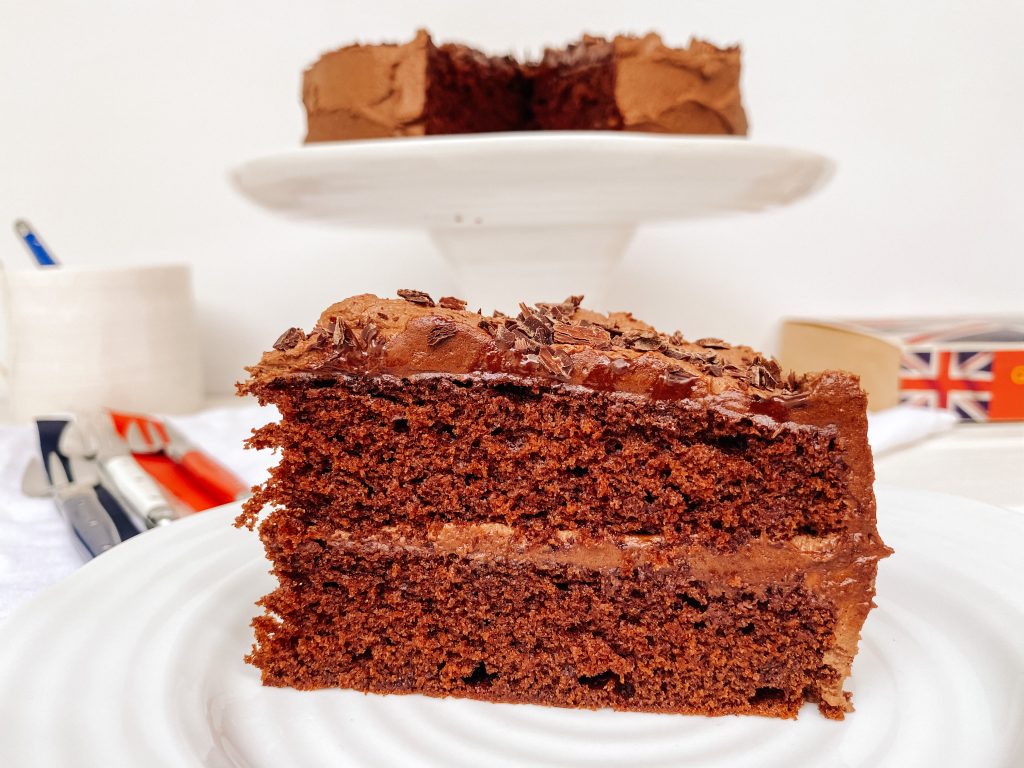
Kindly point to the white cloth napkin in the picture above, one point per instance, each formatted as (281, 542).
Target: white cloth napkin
(36, 550)
(35, 546)
(904, 425)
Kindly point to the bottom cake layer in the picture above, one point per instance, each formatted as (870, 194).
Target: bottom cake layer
(563, 626)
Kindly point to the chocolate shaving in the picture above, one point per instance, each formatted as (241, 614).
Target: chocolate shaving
(563, 310)
(369, 333)
(771, 365)
(289, 339)
(416, 297)
(450, 302)
(610, 326)
(506, 339)
(710, 343)
(714, 369)
(489, 326)
(760, 377)
(556, 362)
(677, 376)
(536, 325)
(681, 354)
(441, 332)
(643, 341)
(754, 375)
(769, 371)
(338, 332)
(570, 333)
(525, 344)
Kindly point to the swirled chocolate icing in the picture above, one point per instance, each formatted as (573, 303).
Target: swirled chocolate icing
(363, 91)
(678, 90)
(555, 343)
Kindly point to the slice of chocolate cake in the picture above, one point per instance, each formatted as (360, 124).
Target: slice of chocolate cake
(639, 84)
(418, 88)
(562, 508)
(370, 91)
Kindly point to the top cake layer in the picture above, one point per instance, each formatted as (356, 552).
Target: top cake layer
(558, 343)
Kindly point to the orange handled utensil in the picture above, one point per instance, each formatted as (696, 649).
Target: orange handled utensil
(181, 484)
(207, 470)
(146, 434)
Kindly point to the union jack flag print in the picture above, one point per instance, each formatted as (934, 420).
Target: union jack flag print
(974, 368)
(958, 381)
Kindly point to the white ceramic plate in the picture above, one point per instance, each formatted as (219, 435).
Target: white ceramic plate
(528, 179)
(136, 661)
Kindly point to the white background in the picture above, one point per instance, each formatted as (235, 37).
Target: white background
(119, 120)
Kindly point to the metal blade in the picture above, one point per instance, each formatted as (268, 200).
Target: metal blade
(58, 477)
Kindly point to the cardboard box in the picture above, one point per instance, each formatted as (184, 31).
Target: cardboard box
(972, 366)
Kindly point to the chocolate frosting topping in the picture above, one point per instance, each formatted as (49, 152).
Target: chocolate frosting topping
(672, 90)
(362, 91)
(548, 344)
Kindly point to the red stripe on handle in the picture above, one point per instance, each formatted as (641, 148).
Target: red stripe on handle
(216, 478)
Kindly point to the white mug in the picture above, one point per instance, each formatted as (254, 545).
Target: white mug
(83, 338)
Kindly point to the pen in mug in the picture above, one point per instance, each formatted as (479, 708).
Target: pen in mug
(42, 255)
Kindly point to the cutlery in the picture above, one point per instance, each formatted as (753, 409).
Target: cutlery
(93, 529)
(121, 473)
(60, 445)
(145, 436)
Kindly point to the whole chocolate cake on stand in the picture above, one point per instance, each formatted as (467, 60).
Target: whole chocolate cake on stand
(529, 176)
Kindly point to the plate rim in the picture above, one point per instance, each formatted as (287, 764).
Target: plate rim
(218, 523)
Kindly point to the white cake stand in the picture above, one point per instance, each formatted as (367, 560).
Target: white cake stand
(534, 215)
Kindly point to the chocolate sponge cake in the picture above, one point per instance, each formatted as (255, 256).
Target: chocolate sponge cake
(370, 91)
(627, 83)
(638, 84)
(562, 508)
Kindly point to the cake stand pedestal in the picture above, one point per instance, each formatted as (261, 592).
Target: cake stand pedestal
(497, 266)
(529, 215)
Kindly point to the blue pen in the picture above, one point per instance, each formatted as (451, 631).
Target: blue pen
(39, 252)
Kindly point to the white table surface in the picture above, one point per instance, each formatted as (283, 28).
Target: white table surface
(979, 461)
